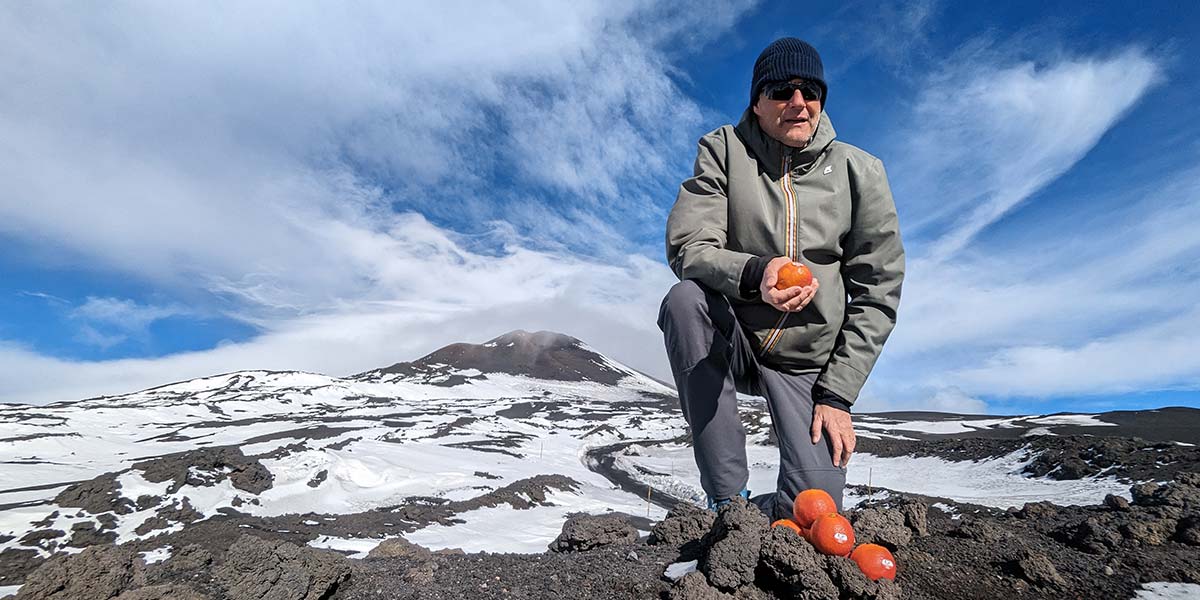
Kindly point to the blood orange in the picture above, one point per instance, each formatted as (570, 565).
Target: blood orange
(792, 275)
(832, 534)
(810, 504)
(875, 561)
(788, 523)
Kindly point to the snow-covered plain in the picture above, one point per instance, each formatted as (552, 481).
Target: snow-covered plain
(996, 482)
(370, 443)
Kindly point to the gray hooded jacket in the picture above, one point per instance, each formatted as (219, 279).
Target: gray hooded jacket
(828, 206)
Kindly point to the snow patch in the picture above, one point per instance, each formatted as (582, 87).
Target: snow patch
(1037, 431)
(358, 547)
(1159, 590)
(946, 508)
(156, 555)
(1080, 420)
(502, 529)
(933, 427)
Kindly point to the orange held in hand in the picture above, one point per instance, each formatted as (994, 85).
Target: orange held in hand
(875, 561)
(832, 534)
(792, 275)
(810, 504)
(790, 524)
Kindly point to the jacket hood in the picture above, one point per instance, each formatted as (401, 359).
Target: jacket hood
(770, 151)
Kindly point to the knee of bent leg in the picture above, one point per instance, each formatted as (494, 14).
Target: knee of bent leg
(685, 299)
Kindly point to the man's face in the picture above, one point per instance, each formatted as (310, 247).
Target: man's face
(790, 121)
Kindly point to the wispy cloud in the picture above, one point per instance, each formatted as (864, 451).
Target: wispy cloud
(895, 33)
(49, 298)
(1106, 307)
(987, 135)
(106, 322)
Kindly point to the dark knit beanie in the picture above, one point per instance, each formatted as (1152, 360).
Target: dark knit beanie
(785, 59)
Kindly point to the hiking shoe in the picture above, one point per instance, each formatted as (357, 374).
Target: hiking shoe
(714, 504)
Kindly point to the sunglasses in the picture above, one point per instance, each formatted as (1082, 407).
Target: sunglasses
(784, 90)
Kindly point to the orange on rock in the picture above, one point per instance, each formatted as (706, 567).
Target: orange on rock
(832, 534)
(875, 561)
(790, 524)
(810, 504)
(792, 275)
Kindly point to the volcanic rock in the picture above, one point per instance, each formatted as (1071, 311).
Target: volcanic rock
(399, 547)
(97, 495)
(97, 572)
(1149, 531)
(256, 569)
(849, 579)
(188, 561)
(151, 524)
(790, 563)
(683, 528)
(584, 532)
(916, 516)
(37, 536)
(694, 586)
(1092, 535)
(884, 527)
(733, 545)
(978, 529)
(1116, 502)
(1037, 569)
(207, 467)
(1188, 530)
(85, 534)
(1037, 510)
(163, 592)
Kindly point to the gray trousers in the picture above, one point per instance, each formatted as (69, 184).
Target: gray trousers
(712, 359)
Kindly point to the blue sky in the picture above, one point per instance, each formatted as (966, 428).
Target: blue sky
(194, 189)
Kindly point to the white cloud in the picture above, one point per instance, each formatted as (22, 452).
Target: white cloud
(985, 136)
(107, 322)
(193, 142)
(1106, 307)
(125, 314)
(278, 159)
(1158, 357)
(458, 296)
(92, 337)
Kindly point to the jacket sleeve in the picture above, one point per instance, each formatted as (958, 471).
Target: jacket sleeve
(872, 273)
(697, 228)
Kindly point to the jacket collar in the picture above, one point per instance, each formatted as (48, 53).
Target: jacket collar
(770, 152)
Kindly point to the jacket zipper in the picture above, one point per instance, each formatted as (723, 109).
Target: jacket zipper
(790, 196)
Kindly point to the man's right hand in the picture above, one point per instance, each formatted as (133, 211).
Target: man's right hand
(792, 299)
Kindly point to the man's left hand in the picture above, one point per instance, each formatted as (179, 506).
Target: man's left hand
(836, 424)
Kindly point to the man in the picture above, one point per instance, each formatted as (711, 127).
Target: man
(774, 189)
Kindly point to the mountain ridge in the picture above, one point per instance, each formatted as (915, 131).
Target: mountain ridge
(545, 355)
